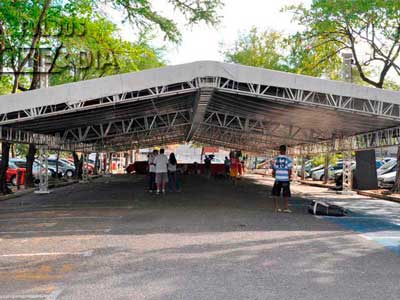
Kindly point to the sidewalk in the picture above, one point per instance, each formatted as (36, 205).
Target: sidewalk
(375, 219)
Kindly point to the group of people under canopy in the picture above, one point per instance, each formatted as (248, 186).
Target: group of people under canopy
(164, 171)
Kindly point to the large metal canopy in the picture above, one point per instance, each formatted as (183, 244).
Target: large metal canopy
(215, 103)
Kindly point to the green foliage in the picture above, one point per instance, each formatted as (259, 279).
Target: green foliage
(141, 14)
(314, 60)
(320, 159)
(21, 150)
(5, 84)
(101, 52)
(259, 49)
(273, 50)
(370, 30)
(61, 30)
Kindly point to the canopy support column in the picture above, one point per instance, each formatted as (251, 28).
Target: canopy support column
(43, 170)
(303, 171)
(347, 172)
(109, 163)
(326, 168)
(85, 173)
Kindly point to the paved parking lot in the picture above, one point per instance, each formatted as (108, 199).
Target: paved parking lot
(110, 240)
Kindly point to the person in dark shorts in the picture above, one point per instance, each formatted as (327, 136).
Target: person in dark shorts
(207, 166)
(282, 171)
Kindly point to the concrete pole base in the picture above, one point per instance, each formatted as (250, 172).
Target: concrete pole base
(350, 193)
(42, 192)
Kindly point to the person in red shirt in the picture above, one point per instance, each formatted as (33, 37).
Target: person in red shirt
(234, 166)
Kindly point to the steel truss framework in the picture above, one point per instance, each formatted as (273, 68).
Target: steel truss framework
(203, 122)
(370, 140)
(133, 127)
(52, 142)
(301, 97)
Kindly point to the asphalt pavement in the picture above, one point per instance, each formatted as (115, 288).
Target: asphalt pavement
(110, 239)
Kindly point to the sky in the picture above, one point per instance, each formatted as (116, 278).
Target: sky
(202, 42)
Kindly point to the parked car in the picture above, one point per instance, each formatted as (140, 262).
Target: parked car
(378, 164)
(13, 168)
(66, 169)
(89, 165)
(320, 174)
(387, 180)
(387, 159)
(387, 167)
(36, 171)
(315, 169)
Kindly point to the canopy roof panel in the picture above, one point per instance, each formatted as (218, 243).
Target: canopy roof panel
(216, 103)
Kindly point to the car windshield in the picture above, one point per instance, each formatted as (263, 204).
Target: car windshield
(388, 165)
(20, 164)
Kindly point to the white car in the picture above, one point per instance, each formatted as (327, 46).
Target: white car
(319, 175)
(388, 167)
(387, 180)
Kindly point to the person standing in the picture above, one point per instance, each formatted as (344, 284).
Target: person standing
(282, 171)
(161, 163)
(234, 167)
(207, 166)
(152, 171)
(172, 164)
(227, 164)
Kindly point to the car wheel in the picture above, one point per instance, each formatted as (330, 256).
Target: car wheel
(69, 173)
(322, 177)
(14, 180)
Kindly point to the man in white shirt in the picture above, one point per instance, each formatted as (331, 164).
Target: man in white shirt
(161, 163)
(152, 171)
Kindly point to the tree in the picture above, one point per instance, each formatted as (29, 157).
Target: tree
(259, 49)
(273, 50)
(25, 28)
(369, 30)
(101, 52)
(5, 152)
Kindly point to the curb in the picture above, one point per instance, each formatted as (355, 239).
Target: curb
(316, 184)
(17, 194)
(379, 196)
(51, 185)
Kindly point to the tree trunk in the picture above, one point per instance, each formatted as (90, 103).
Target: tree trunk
(326, 168)
(12, 147)
(30, 158)
(57, 158)
(78, 165)
(396, 186)
(5, 153)
(96, 164)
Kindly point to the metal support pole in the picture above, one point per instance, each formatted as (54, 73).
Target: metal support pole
(43, 171)
(85, 173)
(295, 167)
(303, 165)
(347, 172)
(108, 163)
(326, 168)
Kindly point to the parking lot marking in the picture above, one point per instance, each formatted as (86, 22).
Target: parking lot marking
(56, 231)
(85, 254)
(377, 236)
